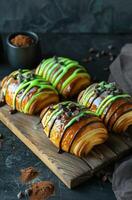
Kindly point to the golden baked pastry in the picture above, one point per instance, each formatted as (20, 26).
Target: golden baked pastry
(66, 75)
(72, 128)
(26, 92)
(108, 102)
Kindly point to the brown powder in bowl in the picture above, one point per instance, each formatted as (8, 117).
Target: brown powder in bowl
(41, 190)
(28, 174)
(22, 41)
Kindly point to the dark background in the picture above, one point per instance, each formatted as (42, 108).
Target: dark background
(65, 28)
(66, 16)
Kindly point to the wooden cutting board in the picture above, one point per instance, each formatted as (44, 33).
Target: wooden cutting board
(71, 170)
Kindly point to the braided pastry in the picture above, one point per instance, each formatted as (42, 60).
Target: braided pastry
(66, 75)
(108, 102)
(26, 92)
(72, 128)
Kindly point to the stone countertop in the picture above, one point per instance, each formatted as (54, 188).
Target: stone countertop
(14, 155)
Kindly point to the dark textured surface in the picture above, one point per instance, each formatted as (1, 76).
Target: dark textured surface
(14, 155)
(12, 160)
(67, 16)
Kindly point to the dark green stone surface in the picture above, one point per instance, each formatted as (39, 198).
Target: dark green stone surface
(66, 16)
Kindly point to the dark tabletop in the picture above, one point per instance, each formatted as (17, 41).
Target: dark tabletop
(14, 155)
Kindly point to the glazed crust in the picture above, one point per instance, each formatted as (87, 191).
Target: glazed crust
(116, 108)
(80, 136)
(76, 84)
(35, 98)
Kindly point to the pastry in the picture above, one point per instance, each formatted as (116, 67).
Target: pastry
(72, 128)
(108, 102)
(26, 92)
(66, 75)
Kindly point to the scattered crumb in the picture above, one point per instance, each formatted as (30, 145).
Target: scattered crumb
(20, 195)
(41, 190)
(28, 192)
(92, 50)
(104, 178)
(28, 174)
(110, 47)
(106, 68)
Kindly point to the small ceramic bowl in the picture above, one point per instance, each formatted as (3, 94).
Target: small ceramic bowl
(23, 57)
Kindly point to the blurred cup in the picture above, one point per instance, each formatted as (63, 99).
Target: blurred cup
(23, 56)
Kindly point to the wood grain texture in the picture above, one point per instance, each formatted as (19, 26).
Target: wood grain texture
(70, 169)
